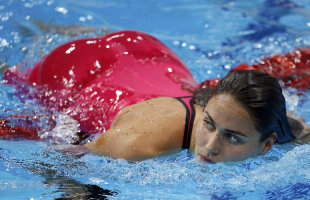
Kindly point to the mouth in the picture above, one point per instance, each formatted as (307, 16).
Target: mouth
(205, 159)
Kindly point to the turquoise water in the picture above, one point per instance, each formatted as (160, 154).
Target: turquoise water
(210, 37)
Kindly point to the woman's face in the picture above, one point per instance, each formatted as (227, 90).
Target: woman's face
(226, 132)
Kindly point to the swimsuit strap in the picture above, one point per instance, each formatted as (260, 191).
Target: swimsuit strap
(188, 102)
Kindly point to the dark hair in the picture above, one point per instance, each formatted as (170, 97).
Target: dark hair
(259, 93)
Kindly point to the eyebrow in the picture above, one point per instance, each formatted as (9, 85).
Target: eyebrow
(226, 130)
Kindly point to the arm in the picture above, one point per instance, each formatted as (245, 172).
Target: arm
(147, 129)
(124, 142)
(300, 129)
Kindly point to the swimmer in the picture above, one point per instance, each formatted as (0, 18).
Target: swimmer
(139, 93)
(242, 117)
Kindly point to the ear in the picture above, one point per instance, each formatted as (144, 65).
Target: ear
(267, 144)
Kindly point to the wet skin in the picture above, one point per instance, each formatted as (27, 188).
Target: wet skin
(223, 131)
(226, 132)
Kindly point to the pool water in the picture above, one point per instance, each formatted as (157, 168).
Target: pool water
(211, 37)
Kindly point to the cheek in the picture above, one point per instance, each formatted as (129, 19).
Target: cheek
(239, 152)
(201, 134)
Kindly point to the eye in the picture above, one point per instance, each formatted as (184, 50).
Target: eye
(210, 126)
(233, 139)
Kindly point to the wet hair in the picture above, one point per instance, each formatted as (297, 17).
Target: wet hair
(260, 94)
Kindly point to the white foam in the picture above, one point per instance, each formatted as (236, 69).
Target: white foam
(65, 131)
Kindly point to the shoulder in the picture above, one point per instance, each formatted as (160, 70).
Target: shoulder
(159, 102)
(300, 129)
(153, 127)
(150, 128)
(161, 108)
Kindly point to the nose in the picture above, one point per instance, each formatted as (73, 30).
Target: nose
(213, 146)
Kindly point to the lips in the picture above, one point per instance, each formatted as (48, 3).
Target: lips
(205, 159)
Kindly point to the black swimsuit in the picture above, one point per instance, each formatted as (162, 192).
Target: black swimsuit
(188, 103)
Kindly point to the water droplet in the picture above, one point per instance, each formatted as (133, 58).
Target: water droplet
(227, 66)
(192, 47)
(71, 72)
(61, 10)
(258, 45)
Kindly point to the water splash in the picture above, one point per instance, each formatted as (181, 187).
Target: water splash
(65, 131)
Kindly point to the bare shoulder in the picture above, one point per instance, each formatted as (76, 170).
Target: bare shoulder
(159, 121)
(158, 109)
(147, 129)
(300, 129)
(154, 103)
